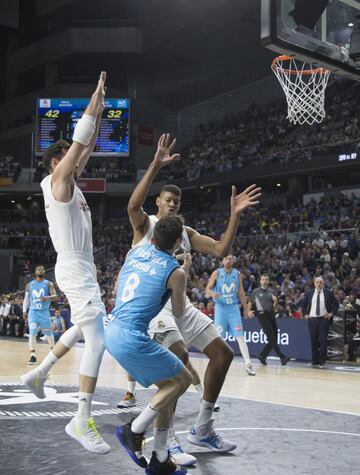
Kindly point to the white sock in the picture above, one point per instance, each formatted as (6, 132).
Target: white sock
(171, 424)
(160, 444)
(199, 388)
(32, 342)
(147, 416)
(205, 413)
(84, 408)
(131, 387)
(51, 341)
(244, 349)
(47, 363)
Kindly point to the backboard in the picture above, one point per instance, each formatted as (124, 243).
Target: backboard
(314, 31)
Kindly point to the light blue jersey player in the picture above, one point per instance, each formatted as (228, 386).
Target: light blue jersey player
(226, 289)
(38, 296)
(58, 325)
(148, 278)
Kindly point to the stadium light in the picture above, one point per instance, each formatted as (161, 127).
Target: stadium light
(278, 184)
(351, 24)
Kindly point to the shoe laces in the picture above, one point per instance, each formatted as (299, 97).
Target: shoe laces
(212, 435)
(174, 445)
(93, 432)
(39, 377)
(139, 442)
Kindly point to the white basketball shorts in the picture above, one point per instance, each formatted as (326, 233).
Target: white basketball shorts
(196, 329)
(75, 274)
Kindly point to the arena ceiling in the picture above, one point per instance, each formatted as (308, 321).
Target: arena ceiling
(191, 50)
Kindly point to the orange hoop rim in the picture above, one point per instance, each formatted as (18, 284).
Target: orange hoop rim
(275, 66)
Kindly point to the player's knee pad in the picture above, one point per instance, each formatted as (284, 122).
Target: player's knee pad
(94, 347)
(71, 336)
(84, 129)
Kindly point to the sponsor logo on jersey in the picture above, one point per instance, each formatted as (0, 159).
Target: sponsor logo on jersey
(83, 206)
(37, 294)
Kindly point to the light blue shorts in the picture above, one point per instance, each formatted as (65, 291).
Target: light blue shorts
(39, 321)
(143, 358)
(228, 319)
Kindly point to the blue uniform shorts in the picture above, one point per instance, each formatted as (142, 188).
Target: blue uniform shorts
(228, 319)
(143, 358)
(39, 321)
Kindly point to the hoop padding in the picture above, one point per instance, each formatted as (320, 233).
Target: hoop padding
(304, 87)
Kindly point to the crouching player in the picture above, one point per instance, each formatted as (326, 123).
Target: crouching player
(149, 277)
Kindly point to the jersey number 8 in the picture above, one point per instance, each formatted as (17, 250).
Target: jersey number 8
(131, 284)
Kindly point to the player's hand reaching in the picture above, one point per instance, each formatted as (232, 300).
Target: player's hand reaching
(100, 91)
(100, 88)
(248, 198)
(163, 153)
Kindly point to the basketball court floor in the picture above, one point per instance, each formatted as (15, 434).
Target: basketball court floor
(285, 420)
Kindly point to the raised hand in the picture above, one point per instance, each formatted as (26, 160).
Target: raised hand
(100, 88)
(162, 156)
(248, 198)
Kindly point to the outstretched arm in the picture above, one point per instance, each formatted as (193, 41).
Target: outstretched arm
(239, 203)
(138, 218)
(85, 154)
(62, 181)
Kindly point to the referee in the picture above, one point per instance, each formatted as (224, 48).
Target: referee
(264, 301)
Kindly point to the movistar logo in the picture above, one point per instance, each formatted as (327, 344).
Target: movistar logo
(38, 294)
(228, 289)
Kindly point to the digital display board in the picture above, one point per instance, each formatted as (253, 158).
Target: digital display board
(57, 117)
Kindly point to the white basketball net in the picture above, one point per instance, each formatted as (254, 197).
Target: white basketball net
(304, 87)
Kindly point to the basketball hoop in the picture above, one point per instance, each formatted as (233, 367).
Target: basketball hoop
(304, 88)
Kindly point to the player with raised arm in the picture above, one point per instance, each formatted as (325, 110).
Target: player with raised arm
(193, 328)
(148, 278)
(39, 293)
(70, 228)
(225, 287)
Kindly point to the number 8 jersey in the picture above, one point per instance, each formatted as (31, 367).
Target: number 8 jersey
(142, 286)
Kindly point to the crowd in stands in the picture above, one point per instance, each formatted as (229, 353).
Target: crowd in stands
(262, 135)
(293, 245)
(9, 168)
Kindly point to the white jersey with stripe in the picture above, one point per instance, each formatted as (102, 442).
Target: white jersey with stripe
(70, 224)
(193, 322)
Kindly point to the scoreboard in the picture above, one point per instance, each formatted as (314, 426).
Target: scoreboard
(56, 119)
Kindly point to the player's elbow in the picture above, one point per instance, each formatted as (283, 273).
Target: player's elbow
(222, 252)
(133, 204)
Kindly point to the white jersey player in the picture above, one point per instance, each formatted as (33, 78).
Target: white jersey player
(194, 328)
(70, 228)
